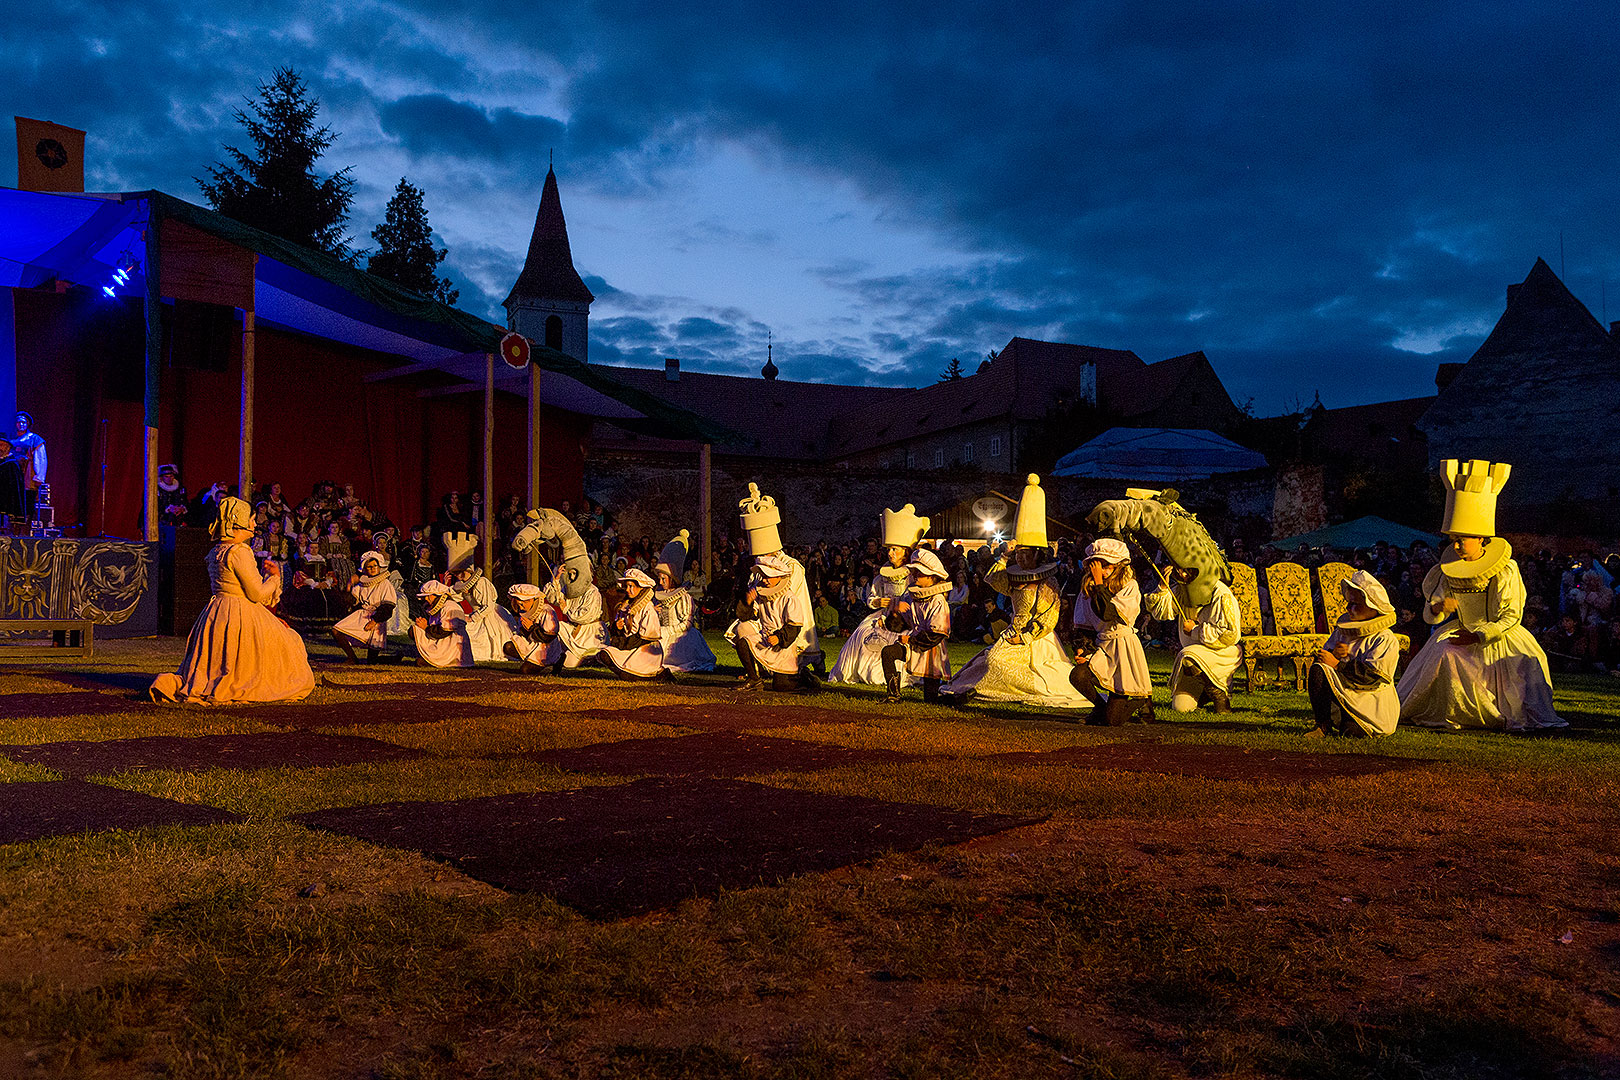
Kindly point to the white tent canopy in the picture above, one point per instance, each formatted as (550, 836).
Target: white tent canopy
(1157, 456)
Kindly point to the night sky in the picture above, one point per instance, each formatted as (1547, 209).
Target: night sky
(1321, 197)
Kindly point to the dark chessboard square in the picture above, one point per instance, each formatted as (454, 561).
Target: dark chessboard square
(268, 750)
(64, 807)
(1215, 762)
(727, 716)
(412, 710)
(711, 753)
(612, 852)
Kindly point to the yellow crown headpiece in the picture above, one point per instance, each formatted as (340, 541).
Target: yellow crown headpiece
(1471, 490)
(903, 528)
(760, 518)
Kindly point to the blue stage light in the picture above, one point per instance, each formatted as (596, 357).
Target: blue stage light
(108, 289)
(120, 277)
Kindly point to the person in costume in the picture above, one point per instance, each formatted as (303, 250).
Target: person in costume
(173, 505)
(921, 623)
(684, 647)
(778, 634)
(1208, 635)
(1480, 667)
(1352, 683)
(637, 651)
(489, 625)
(29, 445)
(534, 642)
(1110, 668)
(579, 623)
(860, 660)
(439, 631)
(1025, 663)
(238, 650)
(378, 609)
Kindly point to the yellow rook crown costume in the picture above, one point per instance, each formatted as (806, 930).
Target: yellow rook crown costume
(903, 527)
(1480, 668)
(1471, 491)
(760, 518)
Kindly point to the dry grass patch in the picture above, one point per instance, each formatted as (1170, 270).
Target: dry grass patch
(131, 724)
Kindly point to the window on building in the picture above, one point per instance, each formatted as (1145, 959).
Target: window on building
(939, 458)
(554, 332)
(967, 453)
(911, 459)
(995, 446)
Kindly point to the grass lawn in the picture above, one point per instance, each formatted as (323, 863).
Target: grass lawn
(1457, 917)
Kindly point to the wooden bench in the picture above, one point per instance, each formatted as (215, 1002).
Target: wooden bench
(1294, 635)
(71, 639)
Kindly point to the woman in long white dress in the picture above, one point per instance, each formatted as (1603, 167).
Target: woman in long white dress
(489, 625)
(238, 650)
(1110, 668)
(1352, 683)
(684, 647)
(378, 610)
(1480, 668)
(860, 660)
(638, 648)
(1025, 663)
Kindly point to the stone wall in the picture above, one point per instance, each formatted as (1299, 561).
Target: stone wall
(655, 495)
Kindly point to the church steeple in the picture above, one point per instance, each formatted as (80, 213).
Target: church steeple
(549, 302)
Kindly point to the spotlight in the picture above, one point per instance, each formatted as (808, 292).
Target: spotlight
(108, 289)
(121, 277)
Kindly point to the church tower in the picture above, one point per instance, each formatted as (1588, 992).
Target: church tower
(549, 304)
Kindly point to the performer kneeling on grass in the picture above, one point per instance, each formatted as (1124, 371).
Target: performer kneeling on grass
(923, 621)
(1209, 642)
(534, 643)
(579, 624)
(637, 651)
(772, 640)
(238, 650)
(1110, 656)
(684, 647)
(440, 632)
(1352, 683)
(489, 625)
(377, 605)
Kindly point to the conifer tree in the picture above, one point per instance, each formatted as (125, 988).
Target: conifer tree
(275, 187)
(952, 372)
(405, 254)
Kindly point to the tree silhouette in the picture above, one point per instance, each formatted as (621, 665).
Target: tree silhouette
(952, 372)
(275, 187)
(405, 253)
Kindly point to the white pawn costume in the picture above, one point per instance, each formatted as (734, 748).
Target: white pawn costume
(579, 620)
(440, 632)
(1480, 668)
(684, 647)
(779, 637)
(1357, 696)
(1026, 663)
(859, 661)
(489, 625)
(1115, 674)
(638, 649)
(534, 638)
(1209, 651)
(378, 609)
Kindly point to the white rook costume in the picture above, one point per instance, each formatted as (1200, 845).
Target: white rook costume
(443, 642)
(684, 647)
(859, 660)
(377, 601)
(782, 595)
(1500, 680)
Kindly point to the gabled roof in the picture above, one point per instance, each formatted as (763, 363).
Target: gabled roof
(1360, 432)
(776, 418)
(1025, 381)
(548, 271)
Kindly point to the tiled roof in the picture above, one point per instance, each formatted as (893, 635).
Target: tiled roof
(778, 418)
(1362, 432)
(548, 271)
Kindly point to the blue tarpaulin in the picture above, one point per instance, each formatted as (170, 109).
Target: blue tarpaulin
(1157, 456)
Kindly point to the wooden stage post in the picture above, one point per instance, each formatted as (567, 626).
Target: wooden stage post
(489, 465)
(534, 462)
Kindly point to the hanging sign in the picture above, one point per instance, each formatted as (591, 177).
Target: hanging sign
(515, 350)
